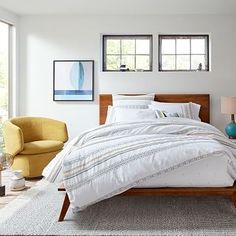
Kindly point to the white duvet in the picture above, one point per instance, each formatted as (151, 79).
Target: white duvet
(110, 159)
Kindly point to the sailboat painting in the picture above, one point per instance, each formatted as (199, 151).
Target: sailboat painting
(73, 80)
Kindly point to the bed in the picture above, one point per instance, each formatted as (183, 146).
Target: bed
(152, 186)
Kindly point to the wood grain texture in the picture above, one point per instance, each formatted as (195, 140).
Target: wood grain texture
(203, 99)
(223, 191)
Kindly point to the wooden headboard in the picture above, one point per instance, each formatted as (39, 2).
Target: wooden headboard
(203, 99)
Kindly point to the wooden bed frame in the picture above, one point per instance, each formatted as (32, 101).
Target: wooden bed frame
(204, 101)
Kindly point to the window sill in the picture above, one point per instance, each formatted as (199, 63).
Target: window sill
(183, 71)
(127, 71)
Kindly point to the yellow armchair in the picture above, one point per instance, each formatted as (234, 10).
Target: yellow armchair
(34, 142)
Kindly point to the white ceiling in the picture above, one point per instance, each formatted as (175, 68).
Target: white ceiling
(115, 7)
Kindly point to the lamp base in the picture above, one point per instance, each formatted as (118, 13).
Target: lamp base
(231, 130)
(2, 191)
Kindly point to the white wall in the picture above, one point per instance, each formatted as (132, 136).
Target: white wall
(45, 38)
(8, 17)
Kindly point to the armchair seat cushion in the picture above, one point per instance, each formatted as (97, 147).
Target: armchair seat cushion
(43, 146)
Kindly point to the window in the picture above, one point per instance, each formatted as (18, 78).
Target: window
(4, 77)
(183, 53)
(4, 69)
(127, 52)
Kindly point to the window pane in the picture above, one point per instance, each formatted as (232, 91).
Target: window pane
(113, 46)
(143, 62)
(4, 29)
(168, 62)
(168, 46)
(128, 61)
(128, 46)
(183, 46)
(142, 46)
(196, 60)
(198, 46)
(113, 63)
(183, 62)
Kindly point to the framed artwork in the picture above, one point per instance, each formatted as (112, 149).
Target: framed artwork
(73, 80)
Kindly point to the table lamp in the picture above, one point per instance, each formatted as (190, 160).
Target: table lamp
(228, 106)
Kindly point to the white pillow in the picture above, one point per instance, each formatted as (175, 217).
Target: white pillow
(132, 104)
(186, 110)
(195, 110)
(124, 114)
(110, 115)
(149, 97)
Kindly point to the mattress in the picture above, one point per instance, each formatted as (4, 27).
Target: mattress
(209, 172)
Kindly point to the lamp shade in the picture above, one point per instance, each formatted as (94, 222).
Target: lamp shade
(228, 105)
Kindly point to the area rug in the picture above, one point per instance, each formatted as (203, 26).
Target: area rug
(36, 212)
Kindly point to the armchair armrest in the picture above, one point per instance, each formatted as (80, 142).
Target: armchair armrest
(54, 130)
(13, 138)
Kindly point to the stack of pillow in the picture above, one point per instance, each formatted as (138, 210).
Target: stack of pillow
(130, 108)
(143, 107)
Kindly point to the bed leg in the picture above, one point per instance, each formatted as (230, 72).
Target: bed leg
(234, 199)
(64, 208)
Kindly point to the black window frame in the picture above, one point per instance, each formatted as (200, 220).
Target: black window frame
(128, 36)
(188, 36)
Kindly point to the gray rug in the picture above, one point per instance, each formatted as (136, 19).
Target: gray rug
(36, 213)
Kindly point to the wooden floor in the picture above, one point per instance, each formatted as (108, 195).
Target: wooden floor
(11, 195)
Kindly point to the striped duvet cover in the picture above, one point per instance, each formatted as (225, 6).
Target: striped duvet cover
(111, 159)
